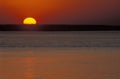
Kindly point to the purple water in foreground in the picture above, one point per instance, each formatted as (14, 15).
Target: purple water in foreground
(60, 55)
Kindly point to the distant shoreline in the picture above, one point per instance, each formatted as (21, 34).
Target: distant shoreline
(12, 27)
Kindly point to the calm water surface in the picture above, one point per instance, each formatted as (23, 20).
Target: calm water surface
(60, 55)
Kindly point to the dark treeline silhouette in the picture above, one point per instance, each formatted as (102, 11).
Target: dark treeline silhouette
(59, 28)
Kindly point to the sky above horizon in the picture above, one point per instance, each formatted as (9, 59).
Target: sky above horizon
(101, 12)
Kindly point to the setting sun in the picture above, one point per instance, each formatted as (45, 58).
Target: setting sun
(29, 20)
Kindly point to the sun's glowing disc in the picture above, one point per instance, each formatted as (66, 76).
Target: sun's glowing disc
(29, 20)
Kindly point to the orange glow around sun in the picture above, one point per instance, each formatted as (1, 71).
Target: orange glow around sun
(29, 20)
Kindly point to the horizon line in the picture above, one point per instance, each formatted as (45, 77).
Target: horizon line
(68, 24)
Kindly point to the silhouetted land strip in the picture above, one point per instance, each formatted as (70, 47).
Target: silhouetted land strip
(59, 28)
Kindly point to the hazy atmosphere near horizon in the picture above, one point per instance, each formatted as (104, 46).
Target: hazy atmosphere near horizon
(61, 11)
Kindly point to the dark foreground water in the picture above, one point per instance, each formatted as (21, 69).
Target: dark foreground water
(59, 39)
(60, 55)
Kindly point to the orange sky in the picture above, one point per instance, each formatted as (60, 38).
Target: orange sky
(61, 11)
